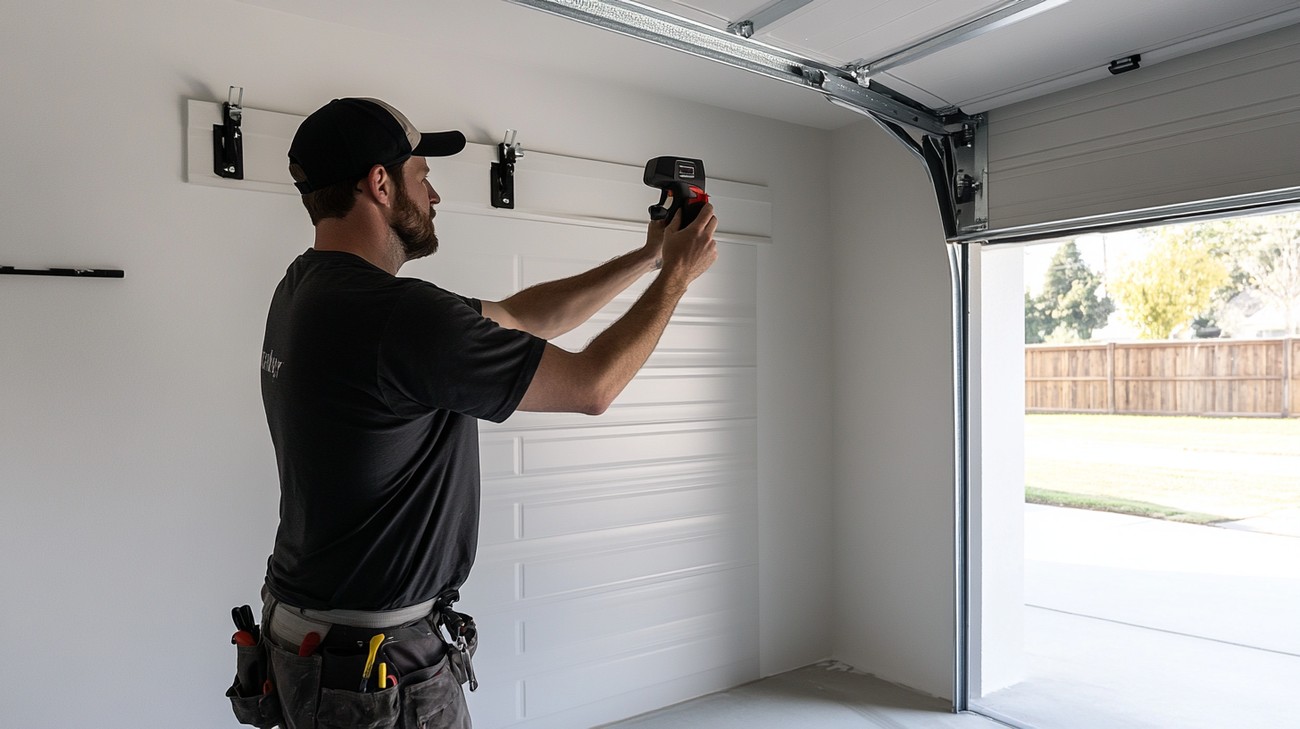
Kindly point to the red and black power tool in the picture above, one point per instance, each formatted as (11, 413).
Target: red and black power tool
(680, 178)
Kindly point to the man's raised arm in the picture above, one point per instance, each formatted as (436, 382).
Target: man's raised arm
(550, 309)
(588, 381)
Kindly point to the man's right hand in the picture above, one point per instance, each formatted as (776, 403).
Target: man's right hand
(688, 252)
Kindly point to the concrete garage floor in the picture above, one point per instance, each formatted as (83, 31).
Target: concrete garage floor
(824, 696)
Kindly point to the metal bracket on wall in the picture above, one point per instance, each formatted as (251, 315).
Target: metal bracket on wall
(954, 146)
(228, 140)
(503, 171)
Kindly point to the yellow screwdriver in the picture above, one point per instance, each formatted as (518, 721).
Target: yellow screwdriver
(370, 660)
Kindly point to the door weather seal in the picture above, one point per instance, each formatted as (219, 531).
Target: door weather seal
(953, 146)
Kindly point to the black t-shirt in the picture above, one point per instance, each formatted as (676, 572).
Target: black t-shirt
(373, 385)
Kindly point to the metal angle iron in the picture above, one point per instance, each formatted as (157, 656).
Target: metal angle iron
(1008, 13)
(956, 159)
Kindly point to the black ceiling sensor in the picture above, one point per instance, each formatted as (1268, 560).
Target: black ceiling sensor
(1126, 64)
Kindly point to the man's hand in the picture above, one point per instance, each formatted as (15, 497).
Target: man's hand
(551, 309)
(688, 252)
(588, 381)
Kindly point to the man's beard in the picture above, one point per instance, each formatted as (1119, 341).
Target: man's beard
(413, 227)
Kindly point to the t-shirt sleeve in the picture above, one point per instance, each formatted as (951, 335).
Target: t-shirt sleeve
(439, 351)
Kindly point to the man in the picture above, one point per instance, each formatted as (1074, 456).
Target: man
(373, 385)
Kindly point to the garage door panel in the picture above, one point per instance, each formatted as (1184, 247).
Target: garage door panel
(1209, 125)
(583, 515)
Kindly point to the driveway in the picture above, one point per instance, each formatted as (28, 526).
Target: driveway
(1134, 623)
(1225, 584)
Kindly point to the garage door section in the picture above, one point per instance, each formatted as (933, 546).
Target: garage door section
(1217, 125)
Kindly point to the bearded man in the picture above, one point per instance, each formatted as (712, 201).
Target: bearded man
(373, 386)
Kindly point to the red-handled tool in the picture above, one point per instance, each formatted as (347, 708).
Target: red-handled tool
(309, 643)
(244, 638)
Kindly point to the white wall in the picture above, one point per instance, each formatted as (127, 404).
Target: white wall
(892, 315)
(997, 467)
(138, 479)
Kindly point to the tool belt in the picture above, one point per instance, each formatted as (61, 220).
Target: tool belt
(334, 682)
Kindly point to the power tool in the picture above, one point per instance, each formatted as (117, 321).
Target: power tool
(680, 178)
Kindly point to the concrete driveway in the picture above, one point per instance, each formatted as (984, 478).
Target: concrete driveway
(1230, 585)
(1134, 623)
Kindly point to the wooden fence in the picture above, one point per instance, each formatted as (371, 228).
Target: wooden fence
(1247, 377)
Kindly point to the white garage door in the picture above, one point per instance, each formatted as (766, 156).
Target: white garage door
(617, 565)
(1216, 124)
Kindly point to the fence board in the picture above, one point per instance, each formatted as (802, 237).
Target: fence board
(1254, 377)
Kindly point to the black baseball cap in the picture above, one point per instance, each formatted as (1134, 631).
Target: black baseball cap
(344, 139)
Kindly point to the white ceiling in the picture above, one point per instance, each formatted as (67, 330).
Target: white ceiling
(1060, 47)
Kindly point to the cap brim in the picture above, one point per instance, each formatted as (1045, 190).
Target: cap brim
(439, 144)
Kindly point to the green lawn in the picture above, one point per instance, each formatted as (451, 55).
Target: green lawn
(1204, 468)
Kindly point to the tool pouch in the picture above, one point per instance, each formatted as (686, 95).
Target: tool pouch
(324, 695)
(432, 697)
(297, 681)
(251, 704)
(277, 687)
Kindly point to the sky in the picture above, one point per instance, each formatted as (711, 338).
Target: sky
(1105, 253)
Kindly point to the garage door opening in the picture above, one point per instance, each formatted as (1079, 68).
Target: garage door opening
(1136, 477)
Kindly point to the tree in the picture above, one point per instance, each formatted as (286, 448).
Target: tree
(1262, 254)
(1274, 268)
(1174, 283)
(1069, 307)
(1037, 324)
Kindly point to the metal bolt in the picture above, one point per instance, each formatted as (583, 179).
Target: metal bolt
(744, 29)
(813, 77)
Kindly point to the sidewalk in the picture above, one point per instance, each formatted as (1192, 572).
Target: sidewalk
(1134, 622)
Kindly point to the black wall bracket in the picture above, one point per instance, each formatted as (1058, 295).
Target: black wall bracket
(503, 171)
(228, 140)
